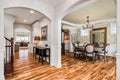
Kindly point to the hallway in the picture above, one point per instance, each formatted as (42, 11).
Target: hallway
(27, 68)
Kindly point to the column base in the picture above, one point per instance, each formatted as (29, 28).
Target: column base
(118, 66)
(2, 77)
(55, 56)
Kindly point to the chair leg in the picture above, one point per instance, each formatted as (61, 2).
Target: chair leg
(86, 57)
(97, 57)
(74, 55)
(105, 58)
(93, 57)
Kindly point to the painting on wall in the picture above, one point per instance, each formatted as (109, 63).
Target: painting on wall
(44, 33)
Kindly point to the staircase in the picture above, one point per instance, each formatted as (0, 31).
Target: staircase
(8, 59)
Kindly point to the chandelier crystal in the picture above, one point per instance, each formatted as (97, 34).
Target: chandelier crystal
(88, 25)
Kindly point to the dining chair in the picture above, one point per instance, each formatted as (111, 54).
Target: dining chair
(104, 53)
(89, 50)
(77, 51)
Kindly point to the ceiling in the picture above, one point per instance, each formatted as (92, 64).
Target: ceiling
(22, 14)
(54, 2)
(98, 10)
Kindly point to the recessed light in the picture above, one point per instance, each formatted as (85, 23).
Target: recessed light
(31, 11)
(25, 20)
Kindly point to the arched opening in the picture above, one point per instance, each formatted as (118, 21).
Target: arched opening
(99, 19)
(22, 39)
(24, 24)
(65, 40)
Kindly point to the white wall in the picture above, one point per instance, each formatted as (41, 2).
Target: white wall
(2, 42)
(37, 30)
(19, 25)
(8, 23)
(8, 29)
(118, 41)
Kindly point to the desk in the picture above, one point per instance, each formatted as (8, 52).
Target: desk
(42, 52)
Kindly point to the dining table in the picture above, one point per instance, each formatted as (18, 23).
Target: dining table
(97, 49)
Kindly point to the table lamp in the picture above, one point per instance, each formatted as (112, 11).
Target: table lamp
(37, 39)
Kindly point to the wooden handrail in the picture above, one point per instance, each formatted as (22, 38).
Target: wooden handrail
(9, 58)
(7, 39)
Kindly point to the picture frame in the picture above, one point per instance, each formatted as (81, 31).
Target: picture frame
(73, 37)
(44, 33)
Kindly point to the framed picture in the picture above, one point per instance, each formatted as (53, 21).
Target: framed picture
(44, 33)
(73, 37)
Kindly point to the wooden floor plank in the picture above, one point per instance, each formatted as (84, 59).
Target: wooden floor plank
(27, 68)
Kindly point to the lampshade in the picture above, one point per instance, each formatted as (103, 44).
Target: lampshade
(88, 25)
(37, 38)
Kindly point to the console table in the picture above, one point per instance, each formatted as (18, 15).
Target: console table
(42, 52)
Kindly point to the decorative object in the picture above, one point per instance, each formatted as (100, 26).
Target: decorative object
(37, 39)
(44, 33)
(88, 25)
(46, 45)
(98, 36)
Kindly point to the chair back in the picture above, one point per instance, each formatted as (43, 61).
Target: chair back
(89, 48)
(74, 46)
(101, 44)
(107, 48)
(85, 43)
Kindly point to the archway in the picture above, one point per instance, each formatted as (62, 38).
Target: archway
(21, 31)
(36, 5)
(22, 35)
(63, 10)
(117, 42)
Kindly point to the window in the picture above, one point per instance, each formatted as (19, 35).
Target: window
(22, 38)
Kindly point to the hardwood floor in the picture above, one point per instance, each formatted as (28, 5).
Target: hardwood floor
(27, 68)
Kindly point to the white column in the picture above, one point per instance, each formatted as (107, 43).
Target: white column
(1, 44)
(118, 40)
(56, 43)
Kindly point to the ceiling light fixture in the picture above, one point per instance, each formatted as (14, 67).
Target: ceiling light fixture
(25, 20)
(31, 11)
(88, 25)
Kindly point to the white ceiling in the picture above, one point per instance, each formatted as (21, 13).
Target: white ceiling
(54, 2)
(22, 14)
(100, 9)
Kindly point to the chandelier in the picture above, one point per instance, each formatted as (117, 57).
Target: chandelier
(88, 25)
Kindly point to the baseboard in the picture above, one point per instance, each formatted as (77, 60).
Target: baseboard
(2, 77)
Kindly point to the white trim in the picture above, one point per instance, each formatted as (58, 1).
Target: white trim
(55, 54)
(69, 23)
(2, 77)
(94, 22)
(118, 55)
